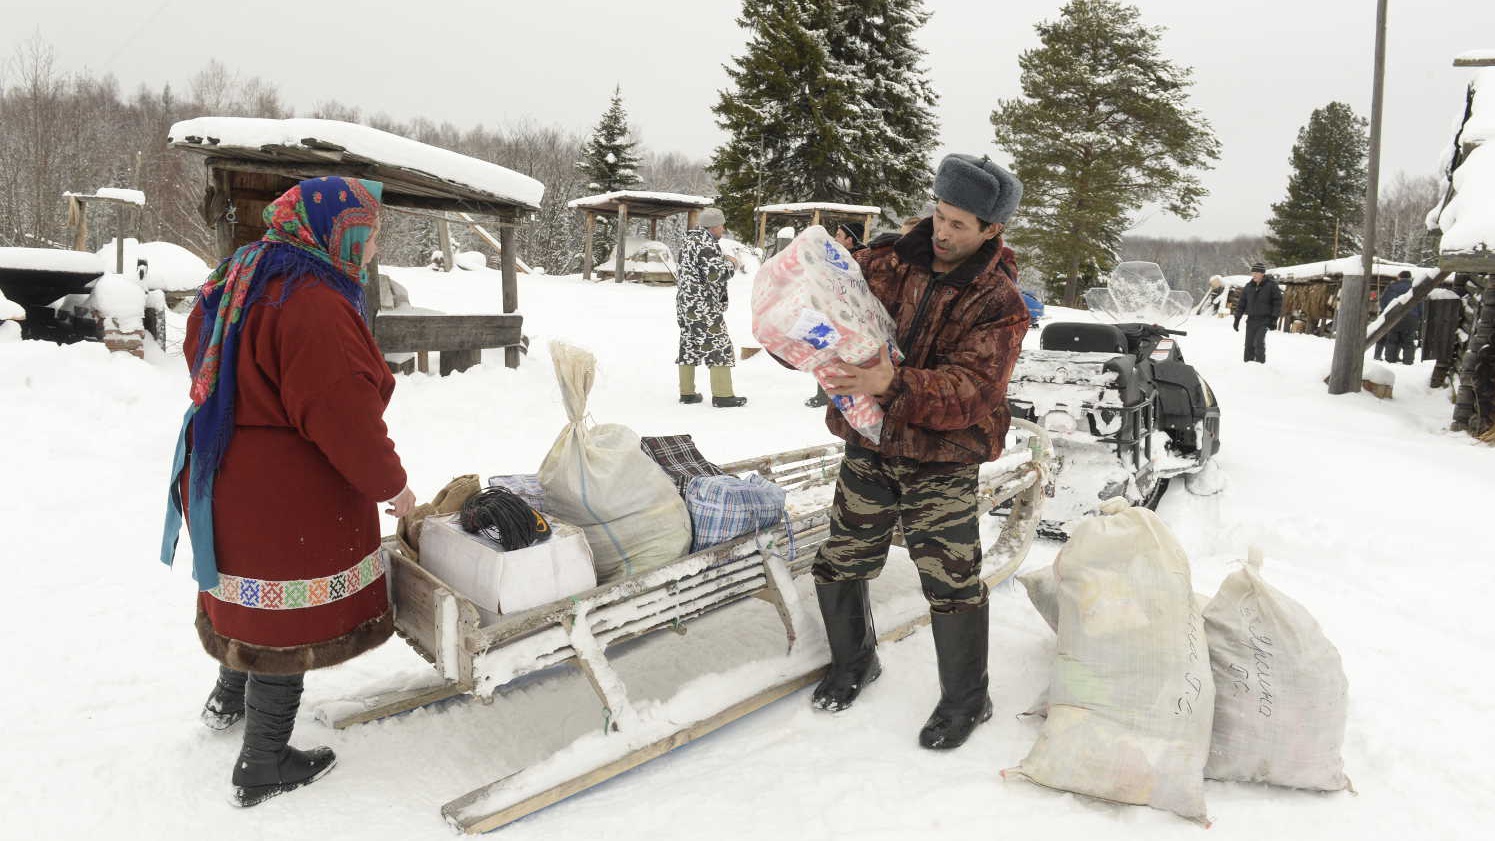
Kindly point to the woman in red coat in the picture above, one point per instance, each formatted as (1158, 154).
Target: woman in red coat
(281, 463)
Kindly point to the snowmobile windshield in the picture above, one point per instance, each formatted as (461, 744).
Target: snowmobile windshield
(1138, 291)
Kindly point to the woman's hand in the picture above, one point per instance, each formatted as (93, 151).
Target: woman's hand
(402, 504)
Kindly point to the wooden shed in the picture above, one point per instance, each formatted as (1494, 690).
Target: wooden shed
(817, 213)
(250, 162)
(1468, 248)
(1310, 292)
(628, 205)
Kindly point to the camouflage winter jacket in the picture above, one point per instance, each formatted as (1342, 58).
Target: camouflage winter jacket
(960, 336)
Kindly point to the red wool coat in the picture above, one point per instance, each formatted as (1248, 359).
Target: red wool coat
(295, 511)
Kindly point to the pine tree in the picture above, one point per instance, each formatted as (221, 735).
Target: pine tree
(607, 156)
(787, 113)
(893, 128)
(1326, 189)
(1103, 128)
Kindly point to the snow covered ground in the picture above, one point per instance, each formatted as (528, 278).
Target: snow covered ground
(1368, 512)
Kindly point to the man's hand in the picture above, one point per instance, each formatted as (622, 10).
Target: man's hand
(402, 504)
(872, 380)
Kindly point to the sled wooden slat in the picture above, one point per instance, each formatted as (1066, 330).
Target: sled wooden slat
(401, 701)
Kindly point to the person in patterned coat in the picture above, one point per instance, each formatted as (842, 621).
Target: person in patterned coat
(700, 309)
(281, 462)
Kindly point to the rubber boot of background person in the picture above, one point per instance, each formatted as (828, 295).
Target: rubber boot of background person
(267, 764)
(721, 388)
(960, 646)
(688, 393)
(225, 707)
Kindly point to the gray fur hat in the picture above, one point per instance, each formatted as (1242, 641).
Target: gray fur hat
(713, 216)
(978, 185)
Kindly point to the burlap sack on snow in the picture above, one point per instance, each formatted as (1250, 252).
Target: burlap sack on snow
(1281, 692)
(1132, 696)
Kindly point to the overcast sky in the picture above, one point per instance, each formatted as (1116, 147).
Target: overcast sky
(1260, 67)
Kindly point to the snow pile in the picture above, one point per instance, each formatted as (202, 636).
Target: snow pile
(472, 260)
(134, 197)
(50, 260)
(361, 141)
(168, 266)
(10, 310)
(121, 300)
(1468, 220)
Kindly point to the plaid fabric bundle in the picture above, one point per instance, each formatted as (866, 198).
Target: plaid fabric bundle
(724, 507)
(525, 485)
(678, 455)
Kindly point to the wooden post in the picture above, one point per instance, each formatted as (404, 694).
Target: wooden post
(119, 238)
(444, 237)
(762, 229)
(654, 228)
(586, 263)
(216, 207)
(511, 285)
(1348, 367)
(867, 229)
(371, 296)
(815, 217)
(692, 218)
(619, 257)
(80, 238)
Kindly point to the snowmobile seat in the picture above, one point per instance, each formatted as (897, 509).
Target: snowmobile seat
(1084, 338)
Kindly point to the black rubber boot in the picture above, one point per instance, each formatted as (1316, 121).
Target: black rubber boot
(846, 607)
(690, 398)
(960, 647)
(268, 765)
(728, 402)
(819, 400)
(225, 707)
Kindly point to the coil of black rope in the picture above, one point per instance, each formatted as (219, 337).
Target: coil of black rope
(504, 517)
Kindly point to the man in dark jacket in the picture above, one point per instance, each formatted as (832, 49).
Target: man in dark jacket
(949, 286)
(1260, 304)
(1401, 341)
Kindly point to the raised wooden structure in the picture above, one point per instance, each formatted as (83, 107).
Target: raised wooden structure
(1474, 395)
(244, 177)
(626, 205)
(817, 213)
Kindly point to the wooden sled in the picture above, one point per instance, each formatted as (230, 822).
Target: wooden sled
(471, 659)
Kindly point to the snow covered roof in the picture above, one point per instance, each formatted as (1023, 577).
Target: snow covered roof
(1466, 215)
(641, 202)
(119, 194)
(51, 260)
(1347, 266)
(307, 147)
(1474, 57)
(808, 207)
(169, 267)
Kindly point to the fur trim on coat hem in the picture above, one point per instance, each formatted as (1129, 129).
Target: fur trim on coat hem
(269, 660)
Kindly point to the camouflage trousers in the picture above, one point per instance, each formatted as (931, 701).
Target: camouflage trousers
(941, 526)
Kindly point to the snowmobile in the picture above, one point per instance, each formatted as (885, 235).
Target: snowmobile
(1126, 413)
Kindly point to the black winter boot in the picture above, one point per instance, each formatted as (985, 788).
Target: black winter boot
(693, 397)
(960, 647)
(728, 402)
(268, 765)
(846, 607)
(225, 707)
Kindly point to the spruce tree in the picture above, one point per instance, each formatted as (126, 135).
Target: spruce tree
(607, 156)
(786, 114)
(893, 128)
(1326, 189)
(1103, 128)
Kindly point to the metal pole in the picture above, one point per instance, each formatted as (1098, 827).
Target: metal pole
(1349, 323)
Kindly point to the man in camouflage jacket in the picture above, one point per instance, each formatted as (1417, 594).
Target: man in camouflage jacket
(950, 286)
